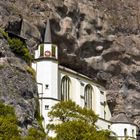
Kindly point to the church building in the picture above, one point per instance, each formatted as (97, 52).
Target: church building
(56, 83)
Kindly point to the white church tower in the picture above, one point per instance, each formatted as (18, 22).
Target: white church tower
(46, 66)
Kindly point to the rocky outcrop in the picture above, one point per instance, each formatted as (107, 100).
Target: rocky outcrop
(99, 38)
(18, 88)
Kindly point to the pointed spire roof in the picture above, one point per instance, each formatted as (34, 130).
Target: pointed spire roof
(21, 31)
(17, 29)
(47, 36)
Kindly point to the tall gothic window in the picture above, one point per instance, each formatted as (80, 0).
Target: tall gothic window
(65, 88)
(88, 96)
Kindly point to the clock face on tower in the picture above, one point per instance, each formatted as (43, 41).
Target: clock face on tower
(48, 50)
(47, 53)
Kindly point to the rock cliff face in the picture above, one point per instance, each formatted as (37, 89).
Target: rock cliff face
(17, 87)
(99, 38)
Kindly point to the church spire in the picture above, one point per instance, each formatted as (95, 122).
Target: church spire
(47, 36)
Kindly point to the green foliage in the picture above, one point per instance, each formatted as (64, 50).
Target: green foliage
(5, 34)
(9, 127)
(8, 123)
(6, 111)
(67, 110)
(34, 134)
(76, 123)
(18, 47)
(30, 71)
(79, 130)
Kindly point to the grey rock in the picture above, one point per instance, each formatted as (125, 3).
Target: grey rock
(18, 88)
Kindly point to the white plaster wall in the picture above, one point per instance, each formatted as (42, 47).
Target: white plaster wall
(77, 91)
(47, 79)
(75, 88)
(82, 87)
(47, 47)
(94, 96)
(37, 53)
(102, 97)
(108, 112)
(47, 74)
(99, 108)
(49, 103)
(34, 66)
(40, 89)
(102, 124)
(97, 103)
(118, 128)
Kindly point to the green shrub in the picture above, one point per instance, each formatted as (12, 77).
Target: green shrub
(5, 34)
(18, 47)
(34, 134)
(8, 123)
(30, 71)
(5, 111)
(77, 123)
(9, 126)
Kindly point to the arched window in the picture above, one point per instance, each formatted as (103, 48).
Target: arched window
(65, 88)
(125, 132)
(88, 96)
